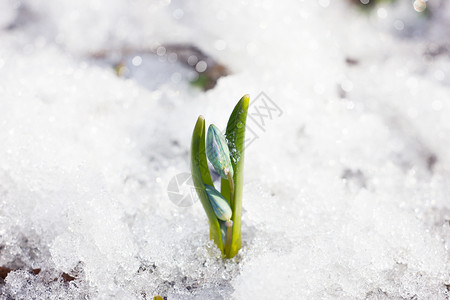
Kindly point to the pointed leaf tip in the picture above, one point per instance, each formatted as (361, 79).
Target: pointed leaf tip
(246, 99)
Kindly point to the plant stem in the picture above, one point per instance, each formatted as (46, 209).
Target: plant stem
(231, 183)
(229, 237)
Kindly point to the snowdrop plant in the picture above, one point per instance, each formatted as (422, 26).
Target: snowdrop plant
(226, 154)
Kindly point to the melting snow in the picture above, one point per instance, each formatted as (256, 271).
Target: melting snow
(347, 169)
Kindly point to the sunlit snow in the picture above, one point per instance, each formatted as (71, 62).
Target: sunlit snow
(347, 165)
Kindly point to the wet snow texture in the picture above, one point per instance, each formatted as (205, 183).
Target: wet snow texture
(346, 193)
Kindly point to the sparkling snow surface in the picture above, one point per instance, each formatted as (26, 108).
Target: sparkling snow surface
(347, 185)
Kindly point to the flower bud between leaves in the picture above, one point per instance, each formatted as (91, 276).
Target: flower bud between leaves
(219, 204)
(218, 152)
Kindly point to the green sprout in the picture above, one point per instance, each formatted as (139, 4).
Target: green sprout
(226, 154)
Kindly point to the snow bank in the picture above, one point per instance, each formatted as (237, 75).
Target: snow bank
(346, 183)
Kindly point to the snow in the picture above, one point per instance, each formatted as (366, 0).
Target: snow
(346, 184)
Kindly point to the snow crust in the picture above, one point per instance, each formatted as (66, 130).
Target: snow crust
(347, 185)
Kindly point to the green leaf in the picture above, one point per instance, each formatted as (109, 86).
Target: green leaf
(201, 176)
(235, 135)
